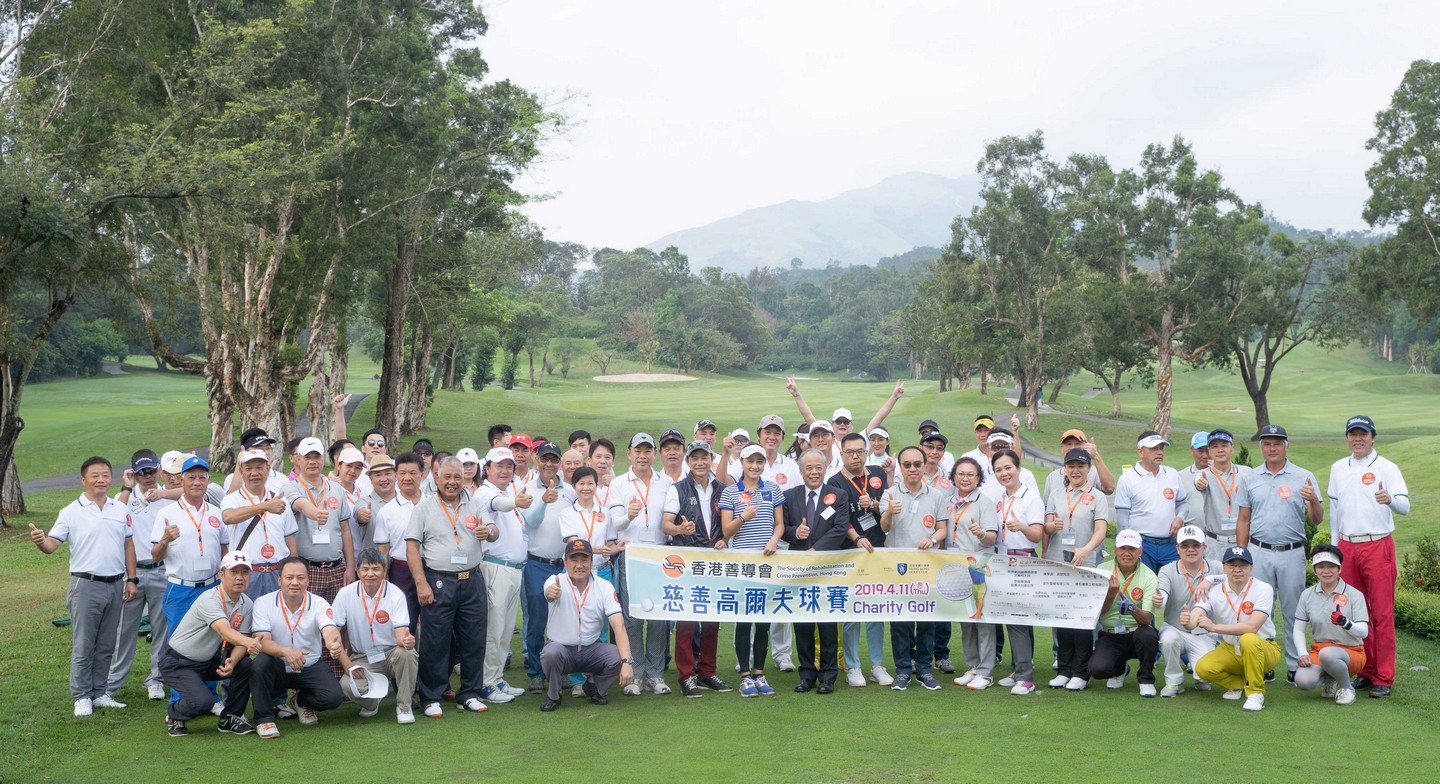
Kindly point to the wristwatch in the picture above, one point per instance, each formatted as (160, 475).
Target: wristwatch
(627, 660)
(133, 580)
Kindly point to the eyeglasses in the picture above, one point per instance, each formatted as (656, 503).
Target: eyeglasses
(966, 475)
(374, 442)
(913, 465)
(853, 452)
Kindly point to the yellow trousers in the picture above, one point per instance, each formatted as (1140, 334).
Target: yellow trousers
(1247, 670)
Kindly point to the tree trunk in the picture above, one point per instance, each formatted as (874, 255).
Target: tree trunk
(398, 282)
(12, 498)
(984, 377)
(530, 357)
(544, 360)
(1164, 373)
(1114, 386)
(222, 425)
(288, 414)
(1055, 391)
(318, 408)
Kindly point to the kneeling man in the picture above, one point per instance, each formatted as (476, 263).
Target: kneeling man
(375, 618)
(1239, 609)
(581, 604)
(292, 625)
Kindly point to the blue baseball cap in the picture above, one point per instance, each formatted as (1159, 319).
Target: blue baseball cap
(1237, 554)
(1361, 421)
(1200, 440)
(1220, 434)
(194, 461)
(145, 463)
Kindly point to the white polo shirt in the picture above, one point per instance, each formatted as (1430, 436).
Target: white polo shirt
(1025, 506)
(195, 556)
(593, 525)
(1225, 606)
(646, 527)
(1353, 508)
(370, 621)
(267, 542)
(513, 544)
(142, 519)
(96, 535)
(577, 617)
(545, 540)
(394, 518)
(300, 629)
(1151, 499)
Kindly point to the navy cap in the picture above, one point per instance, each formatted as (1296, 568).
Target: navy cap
(672, 435)
(146, 463)
(929, 424)
(548, 449)
(1361, 421)
(578, 546)
(1220, 434)
(1274, 431)
(936, 436)
(194, 461)
(1077, 455)
(1237, 554)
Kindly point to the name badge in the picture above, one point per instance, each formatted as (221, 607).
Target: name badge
(867, 522)
(459, 557)
(202, 565)
(1227, 526)
(375, 655)
(321, 536)
(1067, 539)
(914, 506)
(828, 513)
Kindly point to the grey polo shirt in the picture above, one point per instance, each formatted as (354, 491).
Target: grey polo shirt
(1078, 509)
(447, 541)
(920, 514)
(310, 536)
(1179, 589)
(1223, 498)
(195, 638)
(1277, 512)
(1315, 607)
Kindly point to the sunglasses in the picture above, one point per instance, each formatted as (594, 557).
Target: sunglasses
(373, 442)
(913, 465)
(146, 472)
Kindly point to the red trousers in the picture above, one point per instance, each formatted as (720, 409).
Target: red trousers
(1370, 567)
(685, 634)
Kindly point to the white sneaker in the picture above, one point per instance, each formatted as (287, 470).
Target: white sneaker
(1233, 694)
(433, 710)
(474, 705)
(369, 708)
(1202, 685)
(855, 678)
(83, 707)
(106, 701)
(1344, 696)
(1117, 682)
(218, 708)
(1172, 690)
(785, 665)
(1008, 680)
(633, 690)
(1077, 683)
(1255, 702)
(513, 691)
(658, 686)
(880, 676)
(496, 695)
(404, 714)
(268, 730)
(1058, 682)
(578, 690)
(155, 691)
(979, 683)
(964, 680)
(1022, 688)
(1147, 690)
(308, 717)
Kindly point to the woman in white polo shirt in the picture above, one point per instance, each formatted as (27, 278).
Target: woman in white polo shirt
(1021, 513)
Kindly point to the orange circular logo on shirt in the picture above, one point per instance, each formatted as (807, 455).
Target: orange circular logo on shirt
(382, 617)
(1284, 491)
(267, 551)
(332, 503)
(1169, 494)
(780, 478)
(329, 613)
(1247, 608)
(236, 620)
(943, 483)
(214, 522)
(673, 566)
(1342, 600)
(828, 499)
(1136, 594)
(1087, 499)
(745, 498)
(875, 482)
(929, 521)
(1367, 479)
(472, 522)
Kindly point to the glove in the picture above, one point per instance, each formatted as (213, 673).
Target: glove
(1339, 619)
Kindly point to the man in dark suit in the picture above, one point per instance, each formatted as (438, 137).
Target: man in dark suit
(817, 517)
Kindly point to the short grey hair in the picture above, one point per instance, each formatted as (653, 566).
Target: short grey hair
(824, 458)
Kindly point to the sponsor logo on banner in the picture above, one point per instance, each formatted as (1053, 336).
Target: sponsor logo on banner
(673, 566)
(902, 568)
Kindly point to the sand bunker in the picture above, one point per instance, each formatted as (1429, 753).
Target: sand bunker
(632, 378)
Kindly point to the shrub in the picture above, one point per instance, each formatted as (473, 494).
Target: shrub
(1422, 572)
(1418, 613)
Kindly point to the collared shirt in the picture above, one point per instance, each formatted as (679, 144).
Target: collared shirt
(1152, 500)
(369, 534)
(578, 616)
(310, 536)
(767, 498)
(921, 513)
(1353, 508)
(1079, 510)
(1056, 480)
(1138, 589)
(195, 556)
(992, 489)
(371, 621)
(142, 519)
(1316, 606)
(1277, 512)
(545, 540)
(783, 471)
(446, 535)
(1027, 508)
(266, 543)
(512, 544)
(96, 535)
(195, 638)
(1180, 589)
(975, 508)
(1221, 501)
(646, 527)
(593, 525)
(274, 481)
(394, 517)
(1194, 512)
(703, 493)
(1225, 606)
(299, 628)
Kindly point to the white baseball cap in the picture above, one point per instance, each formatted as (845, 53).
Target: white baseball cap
(468, 455)
(351, 455)
(172, 462)
(1325, 557)
(751, 450)
(841, 413)
(310, 446)
(1189, 533)
(1128, 538)
(254, 454)
(999, 437)
(880, 431)
(497, 454)
(740, 432)
(821, 424)
(234, 558)
(376, 685)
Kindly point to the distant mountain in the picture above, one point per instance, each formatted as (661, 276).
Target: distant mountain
(857, 227)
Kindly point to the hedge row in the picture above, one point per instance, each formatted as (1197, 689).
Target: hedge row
(1418, 613)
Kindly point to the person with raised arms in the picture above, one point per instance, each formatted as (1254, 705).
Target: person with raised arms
(842, 422)
(751, 520)
(293, 625)
(1099, 474)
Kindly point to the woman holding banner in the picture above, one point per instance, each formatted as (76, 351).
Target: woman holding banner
(1021, 513)
(973, 529)
(751, 521)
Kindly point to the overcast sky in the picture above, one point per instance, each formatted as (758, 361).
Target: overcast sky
(686, 112)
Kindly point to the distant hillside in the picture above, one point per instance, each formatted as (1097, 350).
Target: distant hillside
(857, 227)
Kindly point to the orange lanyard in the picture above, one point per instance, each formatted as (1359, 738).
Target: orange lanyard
(203, 507)
(370, 616)
(1234, 609)
(1005, 508)
(325, 490)
(516, 511)
(1229, 491)
(264, 529)
(1125, 589)
(859, 486)
(590, 526)
(1071, 519)
(454, 521)
(225, 606)
(579, 599)
(959, 515)
(1194, 594)
(644, 497)
(299, 615)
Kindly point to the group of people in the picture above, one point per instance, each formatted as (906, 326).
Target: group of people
(393, 574)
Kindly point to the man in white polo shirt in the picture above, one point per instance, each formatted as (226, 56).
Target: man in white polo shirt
(501, 503)
(1241, 609)
(293, 627)
(581, 607)
(259, 522)
(1151, 500)
(102, 577)
(637, 510)
(1366, 492)
(190, 538)
(394, 517)
(375, 624)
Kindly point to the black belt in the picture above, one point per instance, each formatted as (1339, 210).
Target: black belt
(465, 575)
(99, 578)
(324, 564)
(556, 562)
(1157, 539)
(149, 565)
(1279, 548)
